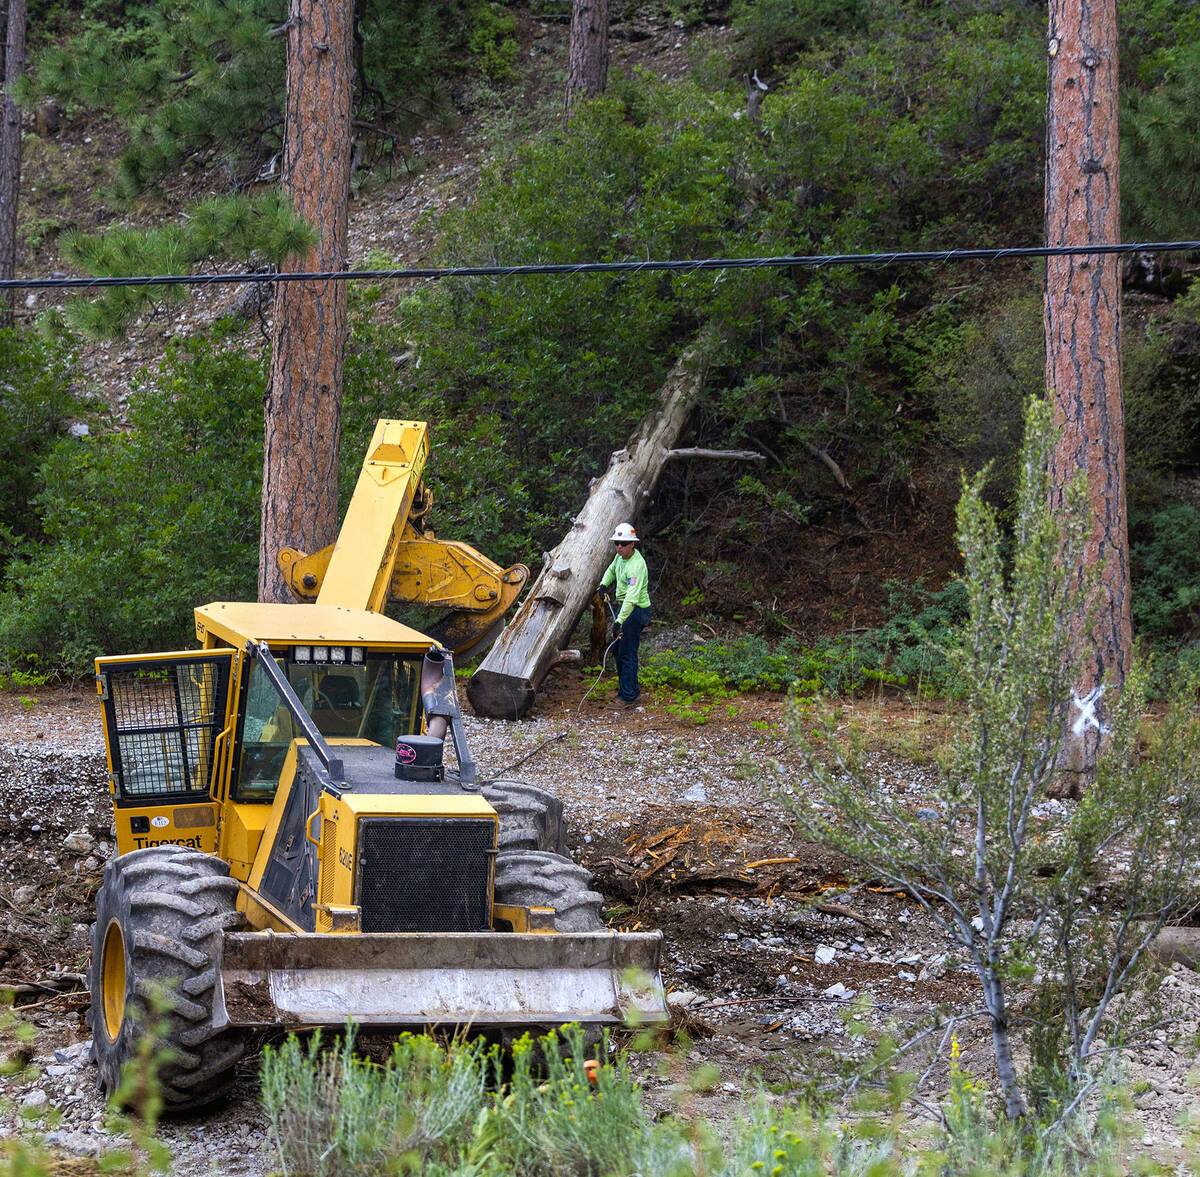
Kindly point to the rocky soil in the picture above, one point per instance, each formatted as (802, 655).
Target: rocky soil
(766, 940)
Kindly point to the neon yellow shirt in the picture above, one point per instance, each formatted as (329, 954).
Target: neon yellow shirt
(631, 583)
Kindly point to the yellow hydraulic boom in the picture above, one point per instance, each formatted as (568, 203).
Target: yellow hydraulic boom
(384, 529)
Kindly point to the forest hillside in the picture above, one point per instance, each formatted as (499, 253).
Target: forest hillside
(131, 431)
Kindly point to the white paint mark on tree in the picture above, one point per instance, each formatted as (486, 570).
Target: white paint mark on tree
(1087, 712)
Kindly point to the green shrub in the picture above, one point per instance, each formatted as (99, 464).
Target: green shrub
(912, 649)
(770, 31)
(36, 405)
(136, 526)
(455, 1109)
(143, 524)
(333, 1114)
(1012, 894)
(746, 663)
(1165, 568)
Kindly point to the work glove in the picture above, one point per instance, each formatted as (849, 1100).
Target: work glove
(616, 632)
(607, 593)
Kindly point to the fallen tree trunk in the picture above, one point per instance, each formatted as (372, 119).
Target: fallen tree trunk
(505, 684)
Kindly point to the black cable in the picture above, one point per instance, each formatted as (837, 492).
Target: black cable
(687, 266)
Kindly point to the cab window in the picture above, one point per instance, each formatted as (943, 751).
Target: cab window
(373, 700)
(267, 731)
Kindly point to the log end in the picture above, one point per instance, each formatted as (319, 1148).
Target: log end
(499, 696)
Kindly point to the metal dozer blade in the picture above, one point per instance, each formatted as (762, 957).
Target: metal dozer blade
(482, 980)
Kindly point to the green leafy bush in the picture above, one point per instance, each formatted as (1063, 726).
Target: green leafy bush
(1165, 568)
(912, 649)
(770, 31)
(143, 524)
(37, 403)
(131, 528)
(746, 663)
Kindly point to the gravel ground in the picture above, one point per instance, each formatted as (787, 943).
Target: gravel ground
(764, 943)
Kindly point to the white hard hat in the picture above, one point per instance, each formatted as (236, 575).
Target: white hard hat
(625, 534)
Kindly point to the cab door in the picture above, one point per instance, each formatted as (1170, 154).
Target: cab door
(167, 723)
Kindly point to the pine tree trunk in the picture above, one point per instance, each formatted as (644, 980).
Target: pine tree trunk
(10, 152)
(1083, 332)
(304, 396)
(587, 64)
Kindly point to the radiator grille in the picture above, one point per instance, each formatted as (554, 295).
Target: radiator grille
(425, 874)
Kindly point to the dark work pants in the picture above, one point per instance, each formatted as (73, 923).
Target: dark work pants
(627, 653)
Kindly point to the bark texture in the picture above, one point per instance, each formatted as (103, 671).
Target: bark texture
(587, 63)
(10, 152)
(304, 395)
(1083, 331)
(507, 679)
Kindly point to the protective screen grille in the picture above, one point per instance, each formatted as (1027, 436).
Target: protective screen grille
(163, 719)
(425, 874)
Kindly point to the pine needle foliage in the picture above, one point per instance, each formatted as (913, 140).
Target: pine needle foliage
(1160, 153)
(249, 230)
(1071, 902)
(203, 80)
(183, 77)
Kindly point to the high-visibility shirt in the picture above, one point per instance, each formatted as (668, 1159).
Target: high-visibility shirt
(630, 579)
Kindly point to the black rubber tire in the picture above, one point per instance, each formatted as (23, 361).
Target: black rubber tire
(537, 878)
(171, 907)
(530, 818)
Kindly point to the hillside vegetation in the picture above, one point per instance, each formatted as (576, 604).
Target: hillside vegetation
(884, 126)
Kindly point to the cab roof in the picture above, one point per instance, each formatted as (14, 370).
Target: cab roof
(236, 622)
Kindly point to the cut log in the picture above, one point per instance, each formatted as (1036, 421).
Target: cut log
(505, 684)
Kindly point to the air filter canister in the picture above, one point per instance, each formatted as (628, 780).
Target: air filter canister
(419, 758)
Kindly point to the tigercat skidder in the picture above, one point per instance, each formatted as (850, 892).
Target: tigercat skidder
(292, 850)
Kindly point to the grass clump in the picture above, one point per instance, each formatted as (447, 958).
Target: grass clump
(333, 1113)
(458, 1109)
(455, 1108)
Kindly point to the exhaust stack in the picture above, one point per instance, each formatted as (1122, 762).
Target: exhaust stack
(439, 699)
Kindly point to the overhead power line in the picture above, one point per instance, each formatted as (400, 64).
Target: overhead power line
(684, 266)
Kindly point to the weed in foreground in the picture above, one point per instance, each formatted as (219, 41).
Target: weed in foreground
(457, 1109)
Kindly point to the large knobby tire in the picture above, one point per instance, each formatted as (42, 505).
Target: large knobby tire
(160, 917)
(530, 818)
(536, 878)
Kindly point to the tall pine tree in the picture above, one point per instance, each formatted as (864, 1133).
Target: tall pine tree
(1083, 350)
(304, 397)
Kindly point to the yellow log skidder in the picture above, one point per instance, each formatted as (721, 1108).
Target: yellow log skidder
(292, 850)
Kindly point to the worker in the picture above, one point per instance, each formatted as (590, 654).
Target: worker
(625, 579)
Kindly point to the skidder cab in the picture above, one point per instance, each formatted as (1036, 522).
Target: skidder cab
(295, 849)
